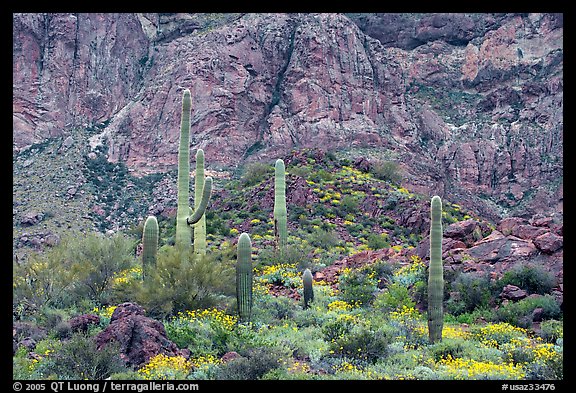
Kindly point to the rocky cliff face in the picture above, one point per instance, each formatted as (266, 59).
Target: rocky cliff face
(471, 105)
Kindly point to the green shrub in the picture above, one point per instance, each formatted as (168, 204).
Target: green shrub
(362, 342)
(80, 267)
(321, 176)
(253, 366)
(529, 277)
(447, 347)
(204, 332)
(474, 290)
(349, 204)
(79, 359)
(551, 330)
(296, 254)
(255, 173)
(393, 298)
(271, 309)
(338, 327)
(387, 171)
(478, 314)
(302, 171)
(63, 330)
(378, 241)
(520, 313)
(50, 318)
(325, 239)
(176, 287)
(358, 286)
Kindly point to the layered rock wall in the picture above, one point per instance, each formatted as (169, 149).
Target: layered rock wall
(471, 105)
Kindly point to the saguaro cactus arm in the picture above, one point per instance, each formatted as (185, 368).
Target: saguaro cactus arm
(201, 209)
(200, 226)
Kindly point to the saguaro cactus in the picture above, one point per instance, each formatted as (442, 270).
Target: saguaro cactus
(149, 245)
(183, 217)
(435, 273)
(244, 277)
(308, 288)
(200, 226)
(280, 214)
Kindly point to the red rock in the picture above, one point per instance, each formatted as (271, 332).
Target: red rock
(263, 84)
(140, 337)
(529, 231)
(81, 323)
(537, 314)
(513, 293)
(463, 231)
(229, 356)
(509, 224)
(549, 242)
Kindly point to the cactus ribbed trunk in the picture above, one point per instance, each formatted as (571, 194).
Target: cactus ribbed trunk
(200, 226)
(183, 217)
(183, 231)
(244, 277)
(435, 273)
(149, 246)
(307, 280)
(280, 213)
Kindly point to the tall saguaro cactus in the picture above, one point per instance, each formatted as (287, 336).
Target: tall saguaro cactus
(149, 245)
(200, 226)
(435, 273)
(280, 214)
(184, 219)
(307, 280)
(244, 277)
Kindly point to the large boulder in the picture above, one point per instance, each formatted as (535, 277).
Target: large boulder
(140, 337)
(499, 248)
(549, 242)
(513, 293)
(81, 323)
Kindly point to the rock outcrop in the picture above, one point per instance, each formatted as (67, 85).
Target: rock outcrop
(140, 337)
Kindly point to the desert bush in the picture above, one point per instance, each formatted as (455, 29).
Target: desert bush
(323, 238)
(202, 331)
(349, 204)
(254, 365)
(520, 313)
(378, 241)
(453, 347)
(79, 359)
(80, 267)
(362, 342)
(296, 254)
(393, 298)
(181, 283)
(474, 290)
(551, 330)
(358, 285)
(272, 309)
(387, 170)
(486, 314)
(256, 172)
(532, 278)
